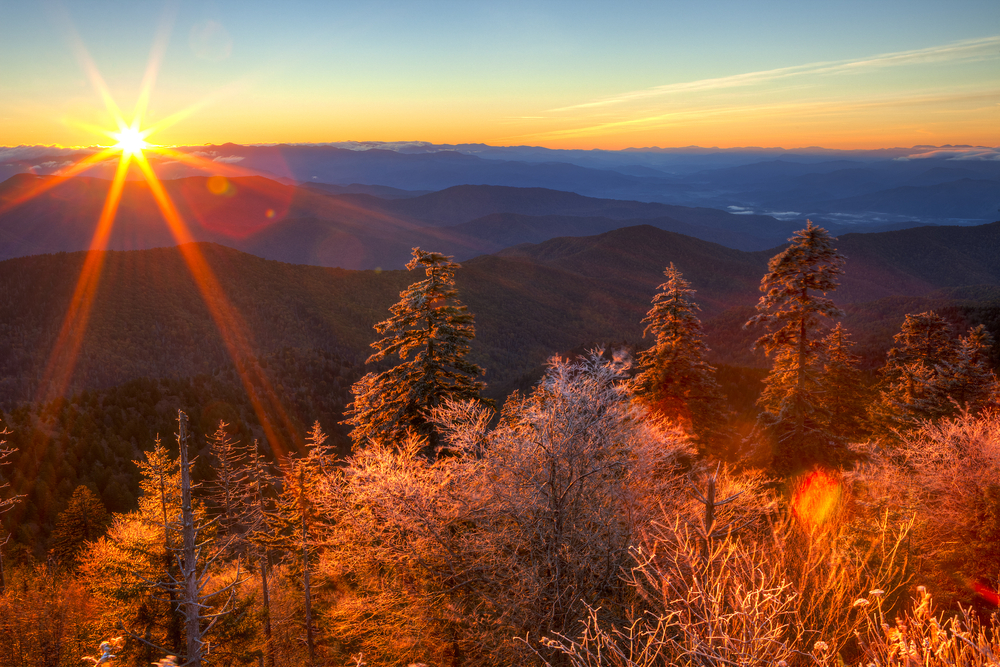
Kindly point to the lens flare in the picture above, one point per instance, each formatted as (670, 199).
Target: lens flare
(131, 146)
(816, 498)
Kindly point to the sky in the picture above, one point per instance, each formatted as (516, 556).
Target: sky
(868, 74)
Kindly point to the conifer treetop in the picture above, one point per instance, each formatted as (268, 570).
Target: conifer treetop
(792, 286)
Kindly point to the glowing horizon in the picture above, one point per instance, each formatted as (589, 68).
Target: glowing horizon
(855, 76)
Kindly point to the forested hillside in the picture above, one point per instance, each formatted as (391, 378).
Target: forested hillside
(673, 483)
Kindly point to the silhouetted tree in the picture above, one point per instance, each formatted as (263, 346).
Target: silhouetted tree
(84, 520)
(430, 332)
(795, 308)
(675, 381)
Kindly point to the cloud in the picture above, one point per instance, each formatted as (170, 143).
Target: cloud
(229, 159)
(957, 153)
(970, 49)
(34, 152)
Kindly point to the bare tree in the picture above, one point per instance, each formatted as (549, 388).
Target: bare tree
(5, 503)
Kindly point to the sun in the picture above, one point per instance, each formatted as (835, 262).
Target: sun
(131, 141)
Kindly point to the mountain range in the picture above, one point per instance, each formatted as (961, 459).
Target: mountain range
(863, 189)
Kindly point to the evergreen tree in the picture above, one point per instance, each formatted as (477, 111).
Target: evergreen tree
(930, 374)
(229, 468)
(256, 496)
(794, 307)
(84, 520)
(844, 396)
(430, 332)
(675, 381)
(298, 518)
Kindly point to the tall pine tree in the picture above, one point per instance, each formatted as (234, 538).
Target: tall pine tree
(430, 332)
(794, 307)
(675, 382)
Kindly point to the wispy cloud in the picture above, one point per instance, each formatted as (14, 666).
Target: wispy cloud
(813, 108)
(965, 50)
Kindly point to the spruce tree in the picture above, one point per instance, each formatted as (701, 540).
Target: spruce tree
(84, 520)
(795, 308)
(845, 395)
(675, 382)
(430, 332)
(931, 374)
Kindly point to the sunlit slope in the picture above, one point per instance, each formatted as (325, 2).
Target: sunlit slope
(530, 301)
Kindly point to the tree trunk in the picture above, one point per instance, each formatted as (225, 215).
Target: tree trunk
(268, 642)
(303, 506)
(189, 565)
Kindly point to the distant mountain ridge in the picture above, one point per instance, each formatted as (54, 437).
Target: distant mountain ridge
(788, 184)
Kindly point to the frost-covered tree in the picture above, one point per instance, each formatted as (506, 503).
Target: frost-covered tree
(5, 503)
(845, 395)
(931, 374)
(794, 307)
(224, 491)
(675, 381)
(430, 332)
(524, 524)
(297, 521)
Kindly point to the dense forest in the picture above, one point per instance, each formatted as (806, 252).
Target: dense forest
(815, 490)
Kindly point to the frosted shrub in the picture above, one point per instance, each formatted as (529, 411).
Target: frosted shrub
(510, 534)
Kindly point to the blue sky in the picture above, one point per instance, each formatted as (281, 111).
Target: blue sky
(560, 74)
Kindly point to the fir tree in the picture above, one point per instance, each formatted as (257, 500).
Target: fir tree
(297, 516)
(84, 520)
(794, 307)
(930, 374)
(675, 381)
(430, 332)
(229, 468)
(844, 396)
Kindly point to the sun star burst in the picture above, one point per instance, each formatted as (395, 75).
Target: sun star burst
(131, 141)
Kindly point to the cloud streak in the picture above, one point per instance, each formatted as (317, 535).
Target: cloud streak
(965, 50)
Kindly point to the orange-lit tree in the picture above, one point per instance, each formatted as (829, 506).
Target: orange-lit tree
(5, 504)
(932, 374)
(675, 381)
(795, 308)
(430, 332)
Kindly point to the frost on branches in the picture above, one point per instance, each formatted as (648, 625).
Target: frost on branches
(794, 307)
(430, 332)
(512, 535)
(675, 381)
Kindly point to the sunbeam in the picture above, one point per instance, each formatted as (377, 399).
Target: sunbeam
(131, 147)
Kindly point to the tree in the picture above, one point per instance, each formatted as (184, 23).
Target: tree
(430, 332)
(256, 487)
(794, 307)
(5, 503)
(297, 517)
(845, 395)
(84, 520)
(229, 472)
(930, 374)
(512, 535)
(675, 381)
(165, 552)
